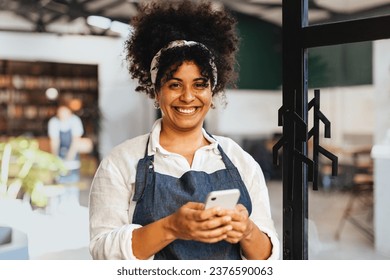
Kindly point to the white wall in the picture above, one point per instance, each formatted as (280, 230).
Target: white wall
(382, 88)
(351, 113)
(248, 114)
(125, 112)
(382, 158)
(251, 114)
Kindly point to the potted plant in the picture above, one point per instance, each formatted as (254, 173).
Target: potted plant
(26, 169)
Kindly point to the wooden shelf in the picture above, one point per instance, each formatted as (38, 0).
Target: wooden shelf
(25, 109)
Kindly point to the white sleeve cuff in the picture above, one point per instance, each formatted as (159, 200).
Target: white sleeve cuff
(275, 254)
(131, 255)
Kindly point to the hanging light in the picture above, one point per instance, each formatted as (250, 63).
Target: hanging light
(75, 104)
(51, 93)
(121, 28)
(99, 21)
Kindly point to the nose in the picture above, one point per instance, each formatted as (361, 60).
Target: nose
(187, 95)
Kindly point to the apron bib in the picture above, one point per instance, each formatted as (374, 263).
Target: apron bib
(159, 195)
(65, 142)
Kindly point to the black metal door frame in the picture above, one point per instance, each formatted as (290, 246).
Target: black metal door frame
(298, 36)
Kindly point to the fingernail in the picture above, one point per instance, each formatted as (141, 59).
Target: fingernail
(227, 219)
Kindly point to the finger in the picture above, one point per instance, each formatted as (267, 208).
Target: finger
(232, 240)
(208, 214)
(234, 236)
(239, 226)
(240, 207)
(193, 211)
(200, 220)
(215, 235)
(213, 239)
(241, 229)
(215, 222)
(240, 213)
(210, 224)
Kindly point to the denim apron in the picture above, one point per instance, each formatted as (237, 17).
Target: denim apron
(73, 175)
(65, 142)
(159, 195)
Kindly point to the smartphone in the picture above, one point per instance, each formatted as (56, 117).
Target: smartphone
(226, 199)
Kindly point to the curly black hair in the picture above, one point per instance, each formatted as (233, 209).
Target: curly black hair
(160, 22)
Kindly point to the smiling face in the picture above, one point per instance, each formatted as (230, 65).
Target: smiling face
(185, 98)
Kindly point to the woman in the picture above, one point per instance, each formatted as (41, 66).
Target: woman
(146, 200)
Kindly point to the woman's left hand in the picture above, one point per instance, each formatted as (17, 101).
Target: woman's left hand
(242, 225)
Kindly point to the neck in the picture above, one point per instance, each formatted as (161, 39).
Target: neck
(182, 142)
(176, 137)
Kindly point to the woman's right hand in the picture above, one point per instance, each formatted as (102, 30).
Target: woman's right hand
(193, 222)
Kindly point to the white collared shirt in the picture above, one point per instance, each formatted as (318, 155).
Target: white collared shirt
(111, 206)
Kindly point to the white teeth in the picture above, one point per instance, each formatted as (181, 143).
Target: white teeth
(186, 111)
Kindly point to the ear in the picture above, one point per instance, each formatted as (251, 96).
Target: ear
(157, 96)
(156, 103)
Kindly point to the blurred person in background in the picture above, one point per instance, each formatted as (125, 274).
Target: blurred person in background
(65, 130)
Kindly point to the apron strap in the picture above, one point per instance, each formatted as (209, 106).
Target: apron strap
(147, 146)
(144, 168)
(228, 163)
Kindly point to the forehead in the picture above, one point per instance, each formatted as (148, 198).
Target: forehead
(186, 69)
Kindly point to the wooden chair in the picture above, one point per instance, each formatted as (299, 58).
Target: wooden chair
(359, 208)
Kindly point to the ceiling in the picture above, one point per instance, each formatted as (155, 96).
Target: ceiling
(72, 16)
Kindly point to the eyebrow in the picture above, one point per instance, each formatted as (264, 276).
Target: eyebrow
(196, 79)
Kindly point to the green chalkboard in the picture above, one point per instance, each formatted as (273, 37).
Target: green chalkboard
(260, 59)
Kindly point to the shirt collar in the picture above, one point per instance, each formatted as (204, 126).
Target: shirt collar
(154, 141)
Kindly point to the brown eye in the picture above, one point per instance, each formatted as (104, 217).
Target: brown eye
(174, 85)
(202, 85)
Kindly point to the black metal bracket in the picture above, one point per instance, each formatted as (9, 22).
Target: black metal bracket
(295, 125)
(292, 121)
(315, 133)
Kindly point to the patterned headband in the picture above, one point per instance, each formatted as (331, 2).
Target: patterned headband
(175, 44)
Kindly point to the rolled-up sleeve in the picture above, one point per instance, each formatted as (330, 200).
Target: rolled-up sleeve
(261, 210)
(110, 226)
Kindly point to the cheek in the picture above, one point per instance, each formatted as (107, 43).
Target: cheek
(207, 99)
(163, 99)
(160, 97)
